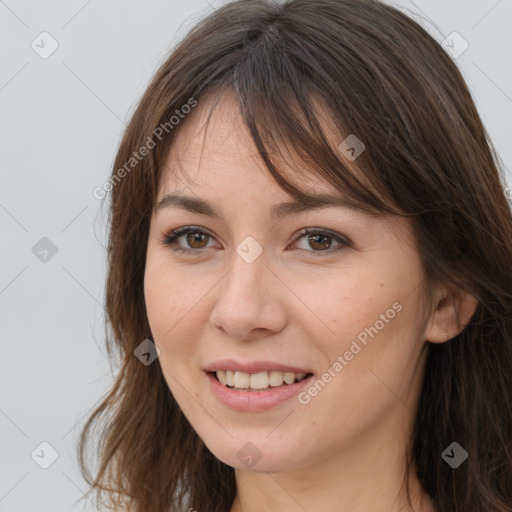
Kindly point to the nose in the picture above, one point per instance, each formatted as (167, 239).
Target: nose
(250, 302)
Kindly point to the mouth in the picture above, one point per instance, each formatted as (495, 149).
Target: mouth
(257, 382)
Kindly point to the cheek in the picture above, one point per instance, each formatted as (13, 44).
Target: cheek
(374, 358)
(170, 292)
(371, 319)
(342, 305)
(172, 304)
(171, 319)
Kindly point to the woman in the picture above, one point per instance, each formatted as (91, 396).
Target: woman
(310, 275)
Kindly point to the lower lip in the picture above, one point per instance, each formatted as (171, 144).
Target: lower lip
(255, 400)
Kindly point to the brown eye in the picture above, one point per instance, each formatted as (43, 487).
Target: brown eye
(187, 239)
(318, 241)
(196, 239)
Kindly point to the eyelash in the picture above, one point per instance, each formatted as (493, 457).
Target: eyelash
(170, 240)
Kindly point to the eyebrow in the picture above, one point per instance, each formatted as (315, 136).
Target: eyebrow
(280, 210)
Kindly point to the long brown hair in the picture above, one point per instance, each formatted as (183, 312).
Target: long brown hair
(383, 78)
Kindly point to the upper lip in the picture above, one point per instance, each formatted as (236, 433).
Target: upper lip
(253, 367)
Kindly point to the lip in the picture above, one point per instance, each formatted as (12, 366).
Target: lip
(253, 367)
(254, 401)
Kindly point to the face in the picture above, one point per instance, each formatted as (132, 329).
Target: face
(320, 312)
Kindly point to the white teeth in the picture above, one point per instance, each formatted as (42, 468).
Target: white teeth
(260, 380)
(276, 378)
(241, 380)
(289, 377)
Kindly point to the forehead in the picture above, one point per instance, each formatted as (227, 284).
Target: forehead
(214, 169)
(215, 146)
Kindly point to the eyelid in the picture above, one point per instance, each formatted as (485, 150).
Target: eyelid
(343, 241)
(169, 239)
(333, 234)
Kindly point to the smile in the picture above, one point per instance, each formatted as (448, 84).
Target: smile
(259, 381)
(259, 399)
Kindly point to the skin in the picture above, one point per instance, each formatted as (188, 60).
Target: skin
(345, 449)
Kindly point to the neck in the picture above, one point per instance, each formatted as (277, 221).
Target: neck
(282, 493)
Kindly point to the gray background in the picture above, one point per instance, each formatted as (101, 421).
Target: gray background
(61, 121)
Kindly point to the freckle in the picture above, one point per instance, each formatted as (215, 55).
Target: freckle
(382, 284)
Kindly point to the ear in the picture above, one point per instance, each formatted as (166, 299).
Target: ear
(452, 311)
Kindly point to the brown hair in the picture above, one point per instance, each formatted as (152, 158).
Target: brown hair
(385, 79)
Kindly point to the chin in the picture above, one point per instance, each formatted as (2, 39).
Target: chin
(257, 453)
